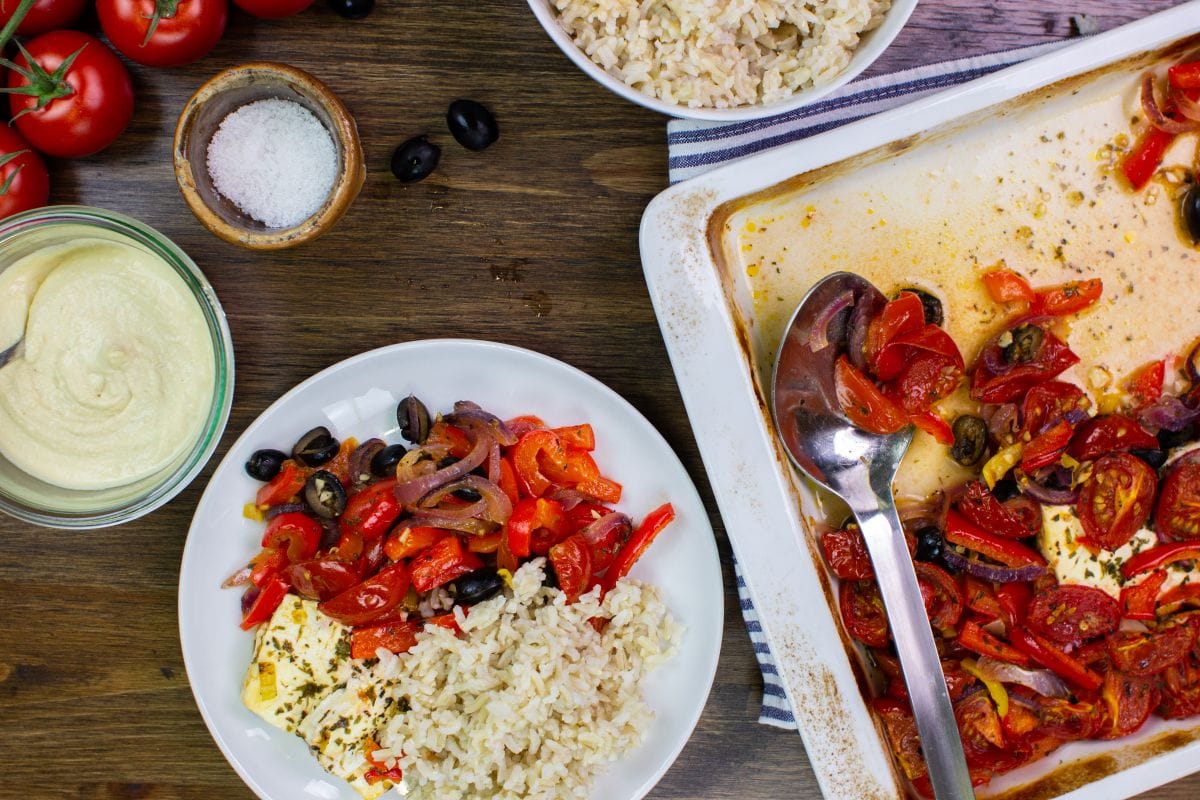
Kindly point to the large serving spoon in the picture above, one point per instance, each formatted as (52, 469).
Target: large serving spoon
(859, 467)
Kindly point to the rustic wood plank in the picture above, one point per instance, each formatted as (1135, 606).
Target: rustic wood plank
(532, 243)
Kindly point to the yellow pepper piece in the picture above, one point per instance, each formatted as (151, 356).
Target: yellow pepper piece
(995, 688)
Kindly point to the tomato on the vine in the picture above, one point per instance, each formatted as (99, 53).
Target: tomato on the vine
(69, 94)
(163, 33)
(24, 182)
(43, 15)
(272, 9)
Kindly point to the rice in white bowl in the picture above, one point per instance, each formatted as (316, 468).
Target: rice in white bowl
(531, 701)
(720, 53)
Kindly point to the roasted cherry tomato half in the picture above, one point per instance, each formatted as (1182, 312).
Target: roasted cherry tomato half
(1116, 500)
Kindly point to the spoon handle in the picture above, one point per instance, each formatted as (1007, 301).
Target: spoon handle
(919, 660)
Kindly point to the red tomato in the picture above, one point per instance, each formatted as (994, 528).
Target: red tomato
(44, 15)
(846, 553)
(1047, 447)
(932, 423)
(272, 9)
(163, 33)
(284, 486)
(1006, 286)
(1146, 384)
(572, 562)
(1185, 75)
(925, 379)
(295, 532)
(863, 403)
(1129, 701)
(1146, 654)
(372, 511)
(945, 603)
(1018, 518)
(398, 637)
(1116, 500)
(901, 729)
(904, 315)
(997, 381)
(371, 599)
(1178, 514)
(862, 612)
(1070, 614)
(978, 722)
(1051, 402)
(24, 181)
(408, 541)
(91, 115)
(442, 563)
(1069, 721)
(1069, 298)
(258, 604)
(1181, 690)
(1111, 433)
(321, 578)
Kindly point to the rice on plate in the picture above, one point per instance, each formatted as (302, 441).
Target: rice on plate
(720, 53)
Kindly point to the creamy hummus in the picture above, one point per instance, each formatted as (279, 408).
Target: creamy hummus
(112, 374)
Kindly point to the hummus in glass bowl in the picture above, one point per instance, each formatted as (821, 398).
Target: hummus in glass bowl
(116, 368)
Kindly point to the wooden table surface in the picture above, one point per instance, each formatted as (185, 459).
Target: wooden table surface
(533, 243)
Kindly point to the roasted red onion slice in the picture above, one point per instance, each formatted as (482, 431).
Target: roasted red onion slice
(1185, 105)
(284, 508)
(1003, 421)
(493, 504)
(599, 530)
(866, 307)
(569, 498)
(1193, 364)
(1168, 413)
(1155, 114)
(473, 525)
(1049, 495)
(465, 410)
(819, 337)
(991, 572)
(360, 462)
(408, 492)
(1042, 681)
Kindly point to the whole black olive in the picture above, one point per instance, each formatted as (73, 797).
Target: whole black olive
(549, 576)
(970, 440)
(352, 9)
(316, 447)
(1190, 212)
(263, 465)
(934, 314)
(1026, 343)
(1169, 440)
(385, 461)
(415, 159)
(472, 125)
(1155, 458)
(359, 471)
(325, 494)
(929, 543)
(414, 420)
(477, 586)
(1005, 489)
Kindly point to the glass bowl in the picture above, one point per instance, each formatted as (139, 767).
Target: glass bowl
(33, 500)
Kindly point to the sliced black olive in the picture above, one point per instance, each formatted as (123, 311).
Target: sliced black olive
(448, 461)
(549, 576)
(316, 447)
(1155, 458)
(929, 543)
(263, 465)
(934, 314)
(1005, 489)
(1190, 212)
(468, 495)
(472, 125)
(413, 417)
(352, 9)
(325, 494)
(1026, 342)
(477, 586)
(415, 159)
(1169, 440)
(385, 461)
(970, 440)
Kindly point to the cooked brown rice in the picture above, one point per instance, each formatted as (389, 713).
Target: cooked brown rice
(720, 53)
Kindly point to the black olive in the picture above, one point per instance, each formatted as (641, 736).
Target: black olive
(414, 420)
(448, 461)
(929, 543)
(316, 447)
(468, 495)
(472, 125)
(385, 461)
(549, 576)
(477, 586)
(1155, 458)
(1005, 489)
(263, 465)
(970, 440)
(1169, 440)
(934, 315)
(352, 9)
(325, 494)
(415, 159)
(1026, 343)
(1190, 212)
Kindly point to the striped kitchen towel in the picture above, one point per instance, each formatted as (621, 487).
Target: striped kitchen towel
(696, 147)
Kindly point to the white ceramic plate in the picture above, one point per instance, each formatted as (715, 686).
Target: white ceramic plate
(873, 44)
(357, 397)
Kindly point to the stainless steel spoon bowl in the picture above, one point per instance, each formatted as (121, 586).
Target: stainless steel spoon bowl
(860, 467)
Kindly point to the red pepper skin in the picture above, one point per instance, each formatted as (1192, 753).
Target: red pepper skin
(1142, 161)
(1009, 552)
(633, 549)
(269, 598)
(284, 486)
(1160, 556)
(932, 423)
(442, 563)
(527, 453)
(1185, 76)
(535, 514)
(977, 640)
(1006, 286)
(372, 511)
(295, 532)
(1140, 600)
(1055, 660)
(1046, 448)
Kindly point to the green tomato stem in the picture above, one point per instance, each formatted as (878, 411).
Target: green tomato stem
(18, 16)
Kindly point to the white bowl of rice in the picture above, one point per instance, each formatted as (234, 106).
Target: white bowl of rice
(725, 60)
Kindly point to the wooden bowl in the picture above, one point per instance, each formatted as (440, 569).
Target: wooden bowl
(228, 91)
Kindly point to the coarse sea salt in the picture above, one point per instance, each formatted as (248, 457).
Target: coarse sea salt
(274, 160)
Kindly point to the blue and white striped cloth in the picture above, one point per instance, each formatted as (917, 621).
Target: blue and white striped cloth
(696, 147)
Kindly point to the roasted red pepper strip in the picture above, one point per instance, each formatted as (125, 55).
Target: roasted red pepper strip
(407, 542)
(932, 423)
(284, 486)
(579, 436)
(372, 511)
(533, 514)
(398, 637)
(1047, 447)
(1138, 601)
(1052, 658)
(1140, 164)
(1185, 76)
(442, 563)
(1014, 599)
(297, 533)
(1067, 298)
(977, 640)
(526, 461)
(1006, 286)
(632, 550)
(1160, 556)
(1007, 551)
(264, 605)
(1146, 385)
